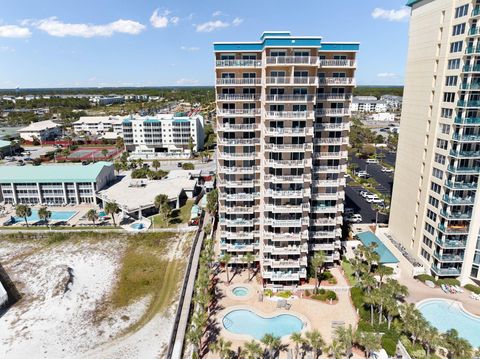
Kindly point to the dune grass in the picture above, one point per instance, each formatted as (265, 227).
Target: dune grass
(178, 216)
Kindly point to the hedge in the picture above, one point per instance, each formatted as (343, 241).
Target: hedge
(424, 277)
(389, 343)
(324, 295)
(473, 288)
(449, 281)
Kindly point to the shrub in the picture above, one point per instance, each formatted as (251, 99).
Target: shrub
(325, 295)
(308, 293)
(331, 295)
(332, 280)
(389, 342)
(188, 166)
(424, 277)
(357, 297)
(364, 326)
(268, 292)
(326, 275)
(285, 294)
(449, 281)
(473, 288)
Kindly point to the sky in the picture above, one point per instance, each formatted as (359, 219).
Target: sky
(89, 43)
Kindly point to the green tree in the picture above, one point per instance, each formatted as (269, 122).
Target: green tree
(104, 153)
(315, 341)
(156, 164)
(458, 348)
(118, 166)
(92, 215)
(225, 259)
(44, 214)
(222, 347)
(253, 350)
(272, 344)
(335, 349)
(317, 262)
(111, 208)
(345, 337)
(249, 258)
(298, 340)
(160, 200)
(212, 201)
(369, 341)
(191, 146)
(24, 211)
(119, 143)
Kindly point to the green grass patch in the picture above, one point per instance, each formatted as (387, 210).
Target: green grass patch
(325, 295)
(348, 270)
(286, 294)
(448, 281)
(178, 216)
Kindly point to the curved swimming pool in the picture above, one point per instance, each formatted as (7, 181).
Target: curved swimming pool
(446, 314)
(240, 291)
(246, 322)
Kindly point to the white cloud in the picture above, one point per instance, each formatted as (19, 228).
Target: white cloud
(391, 15)
(6, 49)
(55, 27)
(386, 74)
(210, 26)
(159, 20)
(193, 48)
(14, 31)
(187, 82)
(237, 21)
(217, 13)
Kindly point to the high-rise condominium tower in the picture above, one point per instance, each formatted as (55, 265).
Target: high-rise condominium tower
(435, 204)
(282, 121)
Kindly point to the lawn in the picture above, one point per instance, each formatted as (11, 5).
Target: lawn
(347, 268)
(178, 216)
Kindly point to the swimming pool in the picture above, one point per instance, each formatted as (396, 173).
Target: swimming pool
(240, 291)
(137, 226)
(246, 322)
(447, 314)
(102, 214)
(56, 216)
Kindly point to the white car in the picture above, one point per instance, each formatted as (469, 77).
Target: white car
(356, 218)
(363, 174)
(371, 197)
(378, 201)
(387, 170)
(372, 161)
(363, 193)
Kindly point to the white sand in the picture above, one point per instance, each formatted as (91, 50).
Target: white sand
(47, 323)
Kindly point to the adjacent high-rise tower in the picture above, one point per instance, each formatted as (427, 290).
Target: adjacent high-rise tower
(435, 204)
(282, 121)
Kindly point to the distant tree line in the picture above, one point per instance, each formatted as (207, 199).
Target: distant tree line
(378, 91)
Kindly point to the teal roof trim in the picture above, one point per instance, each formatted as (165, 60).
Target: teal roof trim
(412, 2)
(151, 120)
(386, 257)
(52, 173)
(340, 47)
(275, 33)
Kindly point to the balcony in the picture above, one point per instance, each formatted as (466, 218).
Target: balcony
(456, 215)
(448, 257)
(294, 131)
(337, 63)
(233, 97)
(289, 98)
(334, 97)
(240, 127)
(292, 60)
(453, 229)
(287, 163)
(286, 250)
(233, 184)
(239, 210)
(307, 80)
(339, 168)
(285, 237)
(328, 183)
(239, 112)
(285, 194)
(344, 126)
(458, 200)
(474, 86)
(238, 222)
(330, 155)
(464, 103)
(284, 222)
(471, 68)
(325, 196)
(467, 121)
(333, 112)
(238, 156)
(465, 154)
(239, 235)
(287, 147)
(239, 141)
(235, 170)
(238, 63)
(237, 247)
(287, 208)
(289, 114)
(445, 271)
(465, 138)
(326, 234)
(282, 263)
(322, 247)
(284, 276)
(327, 209)
(239, 82)
(463, 170)
(331, 141)
(476, 12)
(239, 196)
(472, 50)
(326, 221)
(337, 81)
(451, 243)
(288, 179)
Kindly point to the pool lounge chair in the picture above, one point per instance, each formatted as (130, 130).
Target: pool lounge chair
(444, 288)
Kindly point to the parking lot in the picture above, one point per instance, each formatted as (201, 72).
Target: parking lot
(353, 198)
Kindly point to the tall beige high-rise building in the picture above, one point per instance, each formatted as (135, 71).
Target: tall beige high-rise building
(435, 206)
(282, 121)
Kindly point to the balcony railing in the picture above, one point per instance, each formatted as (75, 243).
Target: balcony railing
(458, 200)
(324, 168)
(345, 81)
(333, 112)
(451, 243)
(328, 155)
(238, 63)
(234, 169)
(467, 121)
(286, 163)
(465, 154)
(291, 80)
(296, 131)
(471, 68)
(239, 112)
(456, 215)
(287, 179)
(285, 193)
(238, 141)
(461, 185)
(464, 103)
(240, 127)
(470, 86)
(234, 81)
(472, 50)
(292, 60)
(238, 155)
(448, 257)
(233, 97)
(337, 63)
(331, 141)
(289, 98)
(333, 97)
(476, 12)
(239, 210)
(239, 196)
(289, 114)
(464, 169)
(453, 229)
(344, 126)
(287, 208)
(445, 271)
(465, 138)
(287, 147)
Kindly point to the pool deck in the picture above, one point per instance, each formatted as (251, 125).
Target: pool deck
(317, 315)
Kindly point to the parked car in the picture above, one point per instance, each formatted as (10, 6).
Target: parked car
(348, 211)
(364, 193)
(363, 174)
(372, 161)
(378, 201)
(371, 197)
(20, 163)
(387, 170)
(355, 218)
(179, 164)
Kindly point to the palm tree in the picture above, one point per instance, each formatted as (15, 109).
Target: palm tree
(104, 153)
(372, 299)
(391, 308)
(272, 344)
(194, 337)
(112, 208)
(92, 215)
(430, 339)
(318, 261)
(315, 341)
(249, 258)
(117, 166)
(368, 282)
(22, 210)
(226, 258)
(345, 337)
(44, 214)
(369, 341)
(156, 164)
(358, 268)
(382, 271)
(336, 349)
(298, 340)
(253, 350)
(222, 347)
(160, 200)
(458, 348)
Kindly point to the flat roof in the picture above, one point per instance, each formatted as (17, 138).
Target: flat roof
(52, 173)
(386, 257)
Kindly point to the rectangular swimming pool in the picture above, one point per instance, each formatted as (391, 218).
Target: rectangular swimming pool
(56, 216)
(386, 257)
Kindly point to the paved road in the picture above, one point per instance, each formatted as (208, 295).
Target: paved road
(385, 180)
(359, 205)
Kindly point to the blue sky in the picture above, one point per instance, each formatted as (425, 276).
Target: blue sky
(60, 43)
